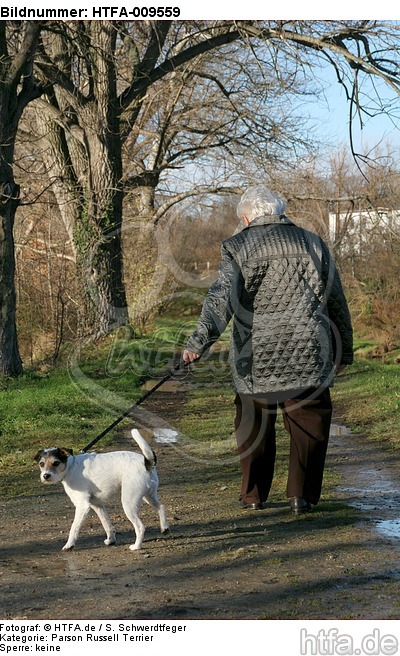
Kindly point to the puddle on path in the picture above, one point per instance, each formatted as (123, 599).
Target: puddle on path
(339, 429)
(165, 435)
(368, 484)
(389, 527)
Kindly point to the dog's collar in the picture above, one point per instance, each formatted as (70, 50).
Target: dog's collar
(70, 462)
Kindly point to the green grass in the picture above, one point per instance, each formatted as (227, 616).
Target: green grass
(363, 347)
(368, 394)
(69, 406)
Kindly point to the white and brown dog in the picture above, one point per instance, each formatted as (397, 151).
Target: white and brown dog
(92, 479)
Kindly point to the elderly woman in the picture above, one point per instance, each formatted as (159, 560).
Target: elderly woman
(291, 333)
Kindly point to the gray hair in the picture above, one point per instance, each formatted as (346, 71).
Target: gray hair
(258, 201)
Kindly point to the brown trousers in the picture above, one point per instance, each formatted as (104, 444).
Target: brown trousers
(307, 417)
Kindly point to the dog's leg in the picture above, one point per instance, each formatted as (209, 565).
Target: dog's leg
(131, 508)
(107, 524)
(152, 500)
(81, 513)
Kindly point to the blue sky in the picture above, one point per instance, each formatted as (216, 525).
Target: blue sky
(332, 117)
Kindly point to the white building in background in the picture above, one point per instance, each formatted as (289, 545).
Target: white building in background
(355, 228)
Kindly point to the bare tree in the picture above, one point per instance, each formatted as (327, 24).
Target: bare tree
(96, 109)
(18, 42)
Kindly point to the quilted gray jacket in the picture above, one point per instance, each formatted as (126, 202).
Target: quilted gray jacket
(291, 322)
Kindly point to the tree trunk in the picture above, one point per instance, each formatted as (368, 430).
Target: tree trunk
(100, 277)
(147, 273)
(87, 160)
(17, 89)
(97, 235)
(92, 216)
(10, 361)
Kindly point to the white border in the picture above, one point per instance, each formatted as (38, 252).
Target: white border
(234, 10)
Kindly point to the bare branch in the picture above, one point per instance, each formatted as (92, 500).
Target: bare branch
(55, 76)
(139, 88)
(23, 58)
(197, 191)
(334, 43)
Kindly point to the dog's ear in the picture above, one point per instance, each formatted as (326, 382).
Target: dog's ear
(63, 453)
(38, 456)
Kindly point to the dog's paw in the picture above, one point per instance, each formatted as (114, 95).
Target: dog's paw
(166, 531)
(135, 547)
(110, 542)
(67, 547)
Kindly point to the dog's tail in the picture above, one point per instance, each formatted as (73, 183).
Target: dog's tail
(149, 455)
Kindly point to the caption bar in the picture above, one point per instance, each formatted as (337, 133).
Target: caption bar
(151, 637)
(53, 636)
(99, 12)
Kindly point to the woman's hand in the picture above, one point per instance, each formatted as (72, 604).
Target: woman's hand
(189, 356)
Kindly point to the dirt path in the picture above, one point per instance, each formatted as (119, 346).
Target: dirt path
(220, 561)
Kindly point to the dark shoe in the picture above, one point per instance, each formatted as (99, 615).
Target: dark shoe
(299, 505)
(252, 506)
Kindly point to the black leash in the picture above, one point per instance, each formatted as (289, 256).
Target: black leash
(134, 406)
